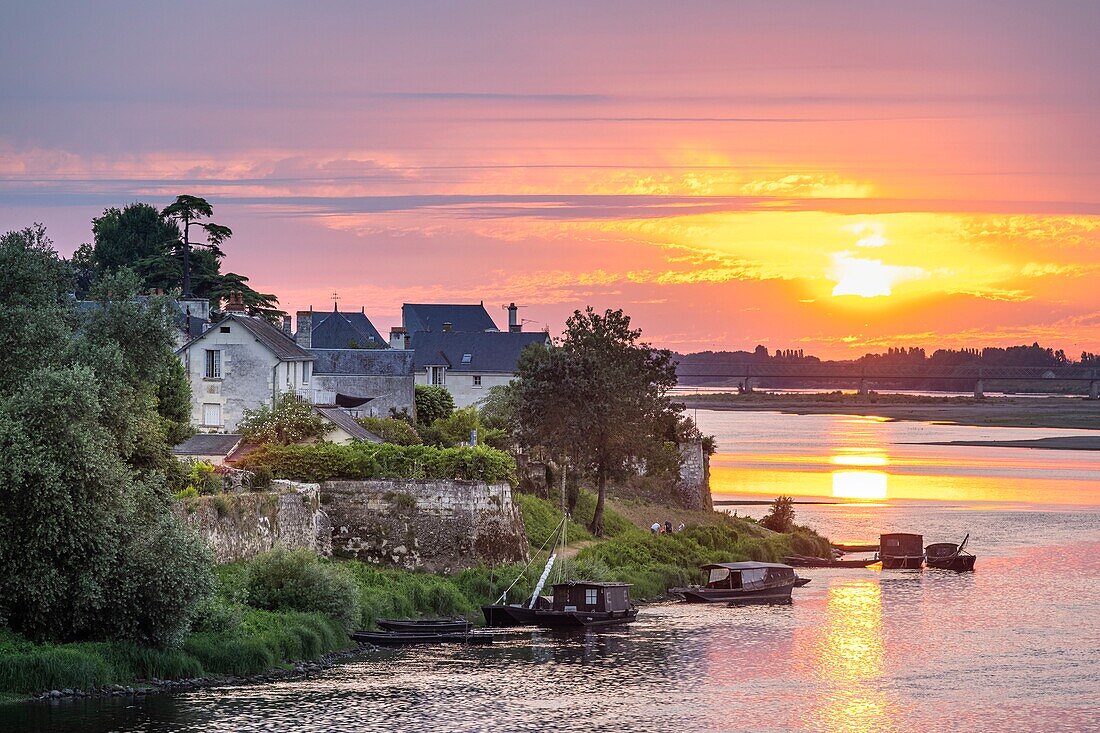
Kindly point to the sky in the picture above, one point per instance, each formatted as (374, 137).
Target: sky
(837, 177)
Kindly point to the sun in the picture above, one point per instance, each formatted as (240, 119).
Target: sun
(868, 278)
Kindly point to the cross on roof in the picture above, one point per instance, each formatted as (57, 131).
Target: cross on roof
(335, 297)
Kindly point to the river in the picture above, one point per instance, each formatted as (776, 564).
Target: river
(1013, 646)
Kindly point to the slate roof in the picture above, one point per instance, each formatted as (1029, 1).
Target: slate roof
(273, 338)
(208, 444)
(489, 351)
(363, 362)
(431, 317)
(339, 330)
(347, 423)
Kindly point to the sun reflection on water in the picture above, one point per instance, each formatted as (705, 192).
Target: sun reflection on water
(859, 484)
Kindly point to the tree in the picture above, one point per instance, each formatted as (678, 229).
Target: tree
(432, 403)
(780, 518)
(292, 421)
(188, 211)
(83, 498)
(598, 399)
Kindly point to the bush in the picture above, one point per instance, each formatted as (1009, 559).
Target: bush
(292, 421)
(391, 430)
(262, 476)
(432, 403)
(202, 478)
(326, 461)
(298, 580)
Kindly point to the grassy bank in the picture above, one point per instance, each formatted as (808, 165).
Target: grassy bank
(1026, 412)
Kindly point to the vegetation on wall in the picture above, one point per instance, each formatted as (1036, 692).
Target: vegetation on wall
(326, 461)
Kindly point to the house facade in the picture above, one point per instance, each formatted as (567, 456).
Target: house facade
(241, 363)
(367, 382)
(470, 363)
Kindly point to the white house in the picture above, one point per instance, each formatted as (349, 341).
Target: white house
(469, 363)
(241, 363)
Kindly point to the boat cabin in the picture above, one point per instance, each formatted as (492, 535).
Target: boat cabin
(900, 544)
(580, 595)
(747, 575)
(941, 550)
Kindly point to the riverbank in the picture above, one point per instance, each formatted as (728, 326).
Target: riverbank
(1073, 442)
(1026, 412)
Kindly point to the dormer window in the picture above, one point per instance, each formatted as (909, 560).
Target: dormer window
(437, 375)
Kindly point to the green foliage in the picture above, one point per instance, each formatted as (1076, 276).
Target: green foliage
(174, 403)
(391, 430)
(780, 518)
(456, 428)
(432, 403)
(600, 398)
(202, 478)
(292, 421)
(325, 461)
(298, 580)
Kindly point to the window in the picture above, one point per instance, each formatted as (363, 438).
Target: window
(212, 415)
(224, 329)
(213, 364)
(590, 595)
(437, 375)
(467, 358)
(307, 367)
(477, 380)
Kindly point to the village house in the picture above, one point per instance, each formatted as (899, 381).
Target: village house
(335, 330)
(469, 363)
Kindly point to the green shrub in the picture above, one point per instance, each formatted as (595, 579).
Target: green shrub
(218, 615)
(202, 478)
(262, 476)
(432, 403)
(292, 421)
(326, 461)
(298, 580)
(391, 430)
(54, 667)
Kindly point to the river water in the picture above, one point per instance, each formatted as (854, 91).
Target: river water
(1014, 646)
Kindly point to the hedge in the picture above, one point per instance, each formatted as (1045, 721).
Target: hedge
(327, 461)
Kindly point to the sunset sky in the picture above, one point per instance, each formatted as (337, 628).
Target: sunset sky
(831, 176)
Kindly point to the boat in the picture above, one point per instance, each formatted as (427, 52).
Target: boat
(949, 556)
(401, 638)
(742, 582)
(799, 581)
(436, 625)
(585, 604)
(807, 561)
(901, 551)
(513, 614)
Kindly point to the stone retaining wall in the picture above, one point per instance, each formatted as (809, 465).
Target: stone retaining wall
(433, 525)
(693, 488)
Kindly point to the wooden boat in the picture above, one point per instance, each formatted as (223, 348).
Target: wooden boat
(949, 556)
(585, 604)
(901, 551)
(741, 582)
(503, 614)
(807, 561)
(799, 581)
(399, 638)
(434, 625)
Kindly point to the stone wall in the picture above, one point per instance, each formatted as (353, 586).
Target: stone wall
(241, 526)
(434, 525)
(693, 487)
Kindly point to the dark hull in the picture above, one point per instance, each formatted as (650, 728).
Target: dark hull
(435, 626)
(820, 562)
(583, 619)
(960, 564)
(775, 594)
(912, 562)
(799, 582)
(500, 616)
(391, 638)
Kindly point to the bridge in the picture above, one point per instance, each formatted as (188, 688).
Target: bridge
(863, 375)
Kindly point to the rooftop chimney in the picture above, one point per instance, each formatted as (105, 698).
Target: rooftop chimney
(514, 326)
(446, 325)
(236, 302)
(304, 337)
(288, 326)
(399, 338)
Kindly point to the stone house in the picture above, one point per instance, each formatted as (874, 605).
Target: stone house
(469, 363)
(366, 382)
(240, 363)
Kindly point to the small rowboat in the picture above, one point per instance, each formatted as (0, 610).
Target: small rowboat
(807, 561)
(395, 638)
(421, 625)
(800, 581)
(949, 556)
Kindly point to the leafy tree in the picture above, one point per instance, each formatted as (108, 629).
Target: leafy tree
(83, 497)
(292, 421)
(780, 518)
(189, 211)
(432, 403)
(598, 399)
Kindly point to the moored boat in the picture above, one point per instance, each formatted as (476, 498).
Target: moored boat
(901, 551)
(585, 604)
(799, 581)
(400, 638)
(949, 556)
(433, 625)
(742, 582)
(807, 561)
(513, 614)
